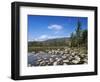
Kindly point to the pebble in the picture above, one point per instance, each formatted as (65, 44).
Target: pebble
(65, 56)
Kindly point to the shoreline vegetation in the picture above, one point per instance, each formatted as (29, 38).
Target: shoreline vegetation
(60, 51)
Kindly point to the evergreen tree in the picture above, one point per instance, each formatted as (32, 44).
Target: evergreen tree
(79, 37)
(78, 33)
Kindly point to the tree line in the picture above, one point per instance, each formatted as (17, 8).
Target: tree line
(79, 37)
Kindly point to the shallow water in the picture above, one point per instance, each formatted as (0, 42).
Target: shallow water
(32, 58)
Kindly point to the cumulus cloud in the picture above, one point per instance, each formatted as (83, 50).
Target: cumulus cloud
(41, 38)
(46, 37)
(55, 27)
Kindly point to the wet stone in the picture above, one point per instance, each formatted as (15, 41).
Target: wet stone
(58, 56)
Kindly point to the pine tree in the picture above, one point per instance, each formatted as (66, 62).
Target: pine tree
(78, 33)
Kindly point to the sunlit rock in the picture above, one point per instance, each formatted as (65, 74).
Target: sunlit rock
(77, 58)
(75, 61)
(42, 63)
(70, 57)
(73, 54)
(65, 61)
(55, 63)
(64, 57)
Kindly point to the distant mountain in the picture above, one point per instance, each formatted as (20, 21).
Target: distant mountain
(50, 42)
(57, 40)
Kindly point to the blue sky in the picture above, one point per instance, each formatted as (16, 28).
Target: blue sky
(48, 27)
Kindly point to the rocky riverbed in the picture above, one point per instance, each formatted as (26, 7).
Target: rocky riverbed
(66, 56)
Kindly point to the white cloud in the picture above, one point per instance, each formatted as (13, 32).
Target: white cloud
(55, 27)
(46, 37)
(41, 38)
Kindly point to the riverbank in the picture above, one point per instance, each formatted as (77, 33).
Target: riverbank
(63, 56)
